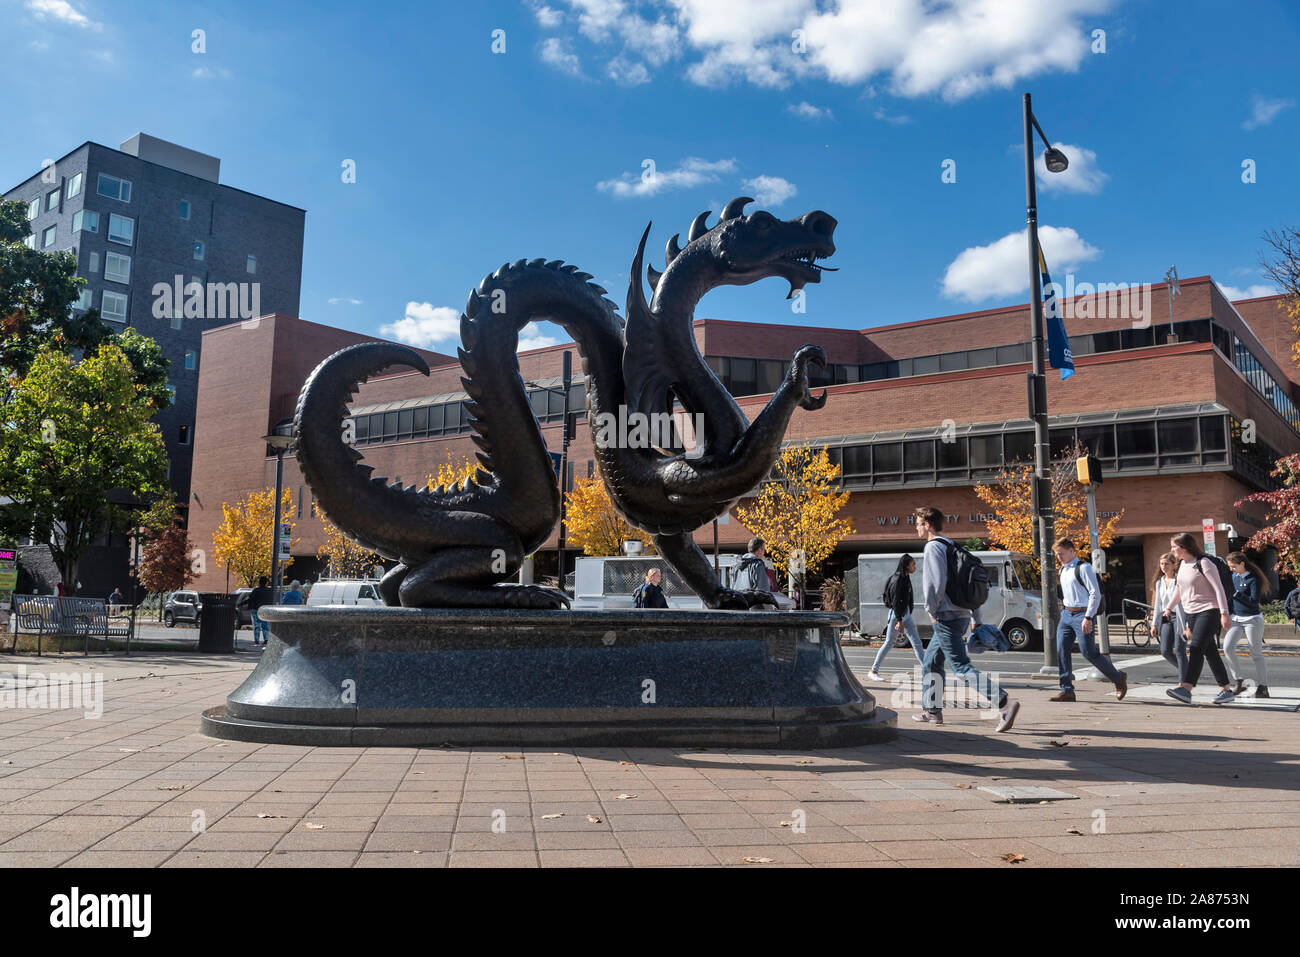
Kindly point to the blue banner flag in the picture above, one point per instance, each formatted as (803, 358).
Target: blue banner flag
(1058, 343)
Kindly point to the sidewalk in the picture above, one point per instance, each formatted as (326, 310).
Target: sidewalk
(1139, 782)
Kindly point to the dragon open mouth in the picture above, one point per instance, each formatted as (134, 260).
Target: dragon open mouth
(807, 256)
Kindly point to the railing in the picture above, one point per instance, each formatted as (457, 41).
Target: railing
(51, 616)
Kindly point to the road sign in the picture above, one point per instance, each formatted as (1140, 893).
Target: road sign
(1207, 530)
(796, 562)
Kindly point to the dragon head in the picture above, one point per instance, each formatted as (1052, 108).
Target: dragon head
(741, 249)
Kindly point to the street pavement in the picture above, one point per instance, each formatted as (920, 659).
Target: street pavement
(1143, 782)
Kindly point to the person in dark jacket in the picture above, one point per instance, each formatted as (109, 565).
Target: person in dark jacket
(259, 596)
(1247, 622)
(649, 594)
(898, 598)
(751, 573)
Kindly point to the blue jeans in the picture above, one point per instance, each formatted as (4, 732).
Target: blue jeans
(1067, 629)
(909, 629)
(260, 628)
(947, 642)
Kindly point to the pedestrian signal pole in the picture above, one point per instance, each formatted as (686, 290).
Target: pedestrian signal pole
(1089, 474)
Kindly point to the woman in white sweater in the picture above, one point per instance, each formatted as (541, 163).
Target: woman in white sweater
(1168, 631)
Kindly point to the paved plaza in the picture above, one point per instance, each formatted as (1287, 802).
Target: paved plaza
(1142, 782)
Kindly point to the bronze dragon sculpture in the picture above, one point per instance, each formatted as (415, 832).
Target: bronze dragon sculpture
(458, 546)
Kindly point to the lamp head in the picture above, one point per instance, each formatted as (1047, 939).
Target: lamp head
(1056, 161)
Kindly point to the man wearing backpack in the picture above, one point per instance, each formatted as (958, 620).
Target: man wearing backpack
(953, 594)
(1080, 602)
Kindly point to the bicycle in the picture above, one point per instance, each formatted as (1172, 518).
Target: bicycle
(1139, 631)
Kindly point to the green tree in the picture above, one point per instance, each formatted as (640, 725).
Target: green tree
(73, 431)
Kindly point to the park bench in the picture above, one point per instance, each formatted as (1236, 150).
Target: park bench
(52, 616)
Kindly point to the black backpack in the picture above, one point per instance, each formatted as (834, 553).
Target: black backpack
(1225, 576)
(890, 592)
(638, 596)
(1292, 606)
(968, 579)
(1101, 590)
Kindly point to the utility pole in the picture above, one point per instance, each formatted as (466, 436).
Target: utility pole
(566, 382)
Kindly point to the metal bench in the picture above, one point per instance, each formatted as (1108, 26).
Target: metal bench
(51, 616)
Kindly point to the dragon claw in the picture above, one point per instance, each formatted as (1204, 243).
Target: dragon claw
(799, 368)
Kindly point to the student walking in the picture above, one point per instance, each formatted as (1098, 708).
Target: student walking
(1251, 587)
(1081, 597)
(261, 595)
(1165, 627)
(1201, 596)
(950, 624)
(899, 600)
(649, 594)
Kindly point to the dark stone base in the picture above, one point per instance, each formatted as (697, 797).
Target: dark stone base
(411, 677)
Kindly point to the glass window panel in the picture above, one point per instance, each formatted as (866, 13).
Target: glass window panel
(74, 186)
(846, 372)
(1082, 345)
(879, 370)
(51, 200)
(390, 425)
(1213, 433)
(925, 365)
(185, 209)
(1061, 440)
(770, 374)
(1106, 341)
(985, 451)
(540, 401)
(919, 456)
(718, 364)
(1018, 446)
(435, 418)
(114, 188)
(952, 361)
(1137, 338)
(117, 267)
(887, 457)
(47, 237)
(1177, 435)
(404, 421)
(857, 459)
(952, 455)
(904, 367)
(113, 306)
(1017, 352)
(361, 427)
(979, 358)
(744, 376)
(420, 425)
(121, 229)
(818, 377)
(1100, 440)
(1136, 438)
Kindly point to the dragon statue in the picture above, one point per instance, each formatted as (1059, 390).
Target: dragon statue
(458, 546)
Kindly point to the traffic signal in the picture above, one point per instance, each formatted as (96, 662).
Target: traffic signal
(1089, 470)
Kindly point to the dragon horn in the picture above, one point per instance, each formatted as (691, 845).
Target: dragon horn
(698, 228)
(654, 275)
(672, 251)
(735, 208)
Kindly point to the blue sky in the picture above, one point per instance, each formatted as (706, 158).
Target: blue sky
(467, 158)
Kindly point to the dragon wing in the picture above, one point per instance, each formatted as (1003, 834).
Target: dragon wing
(646, 377)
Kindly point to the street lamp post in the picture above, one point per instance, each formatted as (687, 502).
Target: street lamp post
(566, 382)
(280, 440)
(1056, 162)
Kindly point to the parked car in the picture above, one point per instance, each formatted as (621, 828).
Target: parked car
(243, 614)
(345, 592)
(182, 606)
(1016, 610)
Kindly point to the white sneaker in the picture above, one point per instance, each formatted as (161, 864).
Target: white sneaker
(925, 717)
(1008, 713)
(874, 675)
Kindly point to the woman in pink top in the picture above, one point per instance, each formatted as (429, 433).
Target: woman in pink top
(1205, 609)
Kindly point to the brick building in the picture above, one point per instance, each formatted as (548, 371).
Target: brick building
(918, 412)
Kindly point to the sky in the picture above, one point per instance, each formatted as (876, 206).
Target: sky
(486, 132)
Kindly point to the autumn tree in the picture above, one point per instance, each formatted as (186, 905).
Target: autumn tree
(166, 563)
(1284, 509)
(592, 523)
(242, 542)
(1009, 496)
(346, 558)
(799, 509)
(450, 473)
(73, 431)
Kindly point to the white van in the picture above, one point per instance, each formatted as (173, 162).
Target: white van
(608, 581)
(345, 592)
(1017, 611)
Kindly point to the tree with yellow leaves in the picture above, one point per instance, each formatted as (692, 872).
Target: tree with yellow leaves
(450, 473)
(1010, 497)
(242, 542)
(798, 509)
(592, 524)
(346, 559)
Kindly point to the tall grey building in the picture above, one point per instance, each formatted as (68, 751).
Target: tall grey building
(168, 249)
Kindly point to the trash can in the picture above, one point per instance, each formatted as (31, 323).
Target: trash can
(217, 622)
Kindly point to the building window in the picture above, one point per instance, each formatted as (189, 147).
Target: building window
(175, 318)
(191, 360)
(74, 186)
(33, 209)
(113, 306)
(185, 209)
(85, 298)
(252, 264)
(299, 502)
(29, 241)
(52, 200)
(183, 435)
(114, 188)
(198, 249)
(94, 262)
(47, 237)
(117, 267)
(86, 220)
(121, 229)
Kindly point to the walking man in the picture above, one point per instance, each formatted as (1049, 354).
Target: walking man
(950, 624)
(261, 595)
(1081, 597)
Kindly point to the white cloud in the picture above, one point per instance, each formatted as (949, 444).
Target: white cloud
(1002, 267)
(38, 45)
(205, 73)
(1253, 291)
(627, 72)
(554, 53)
(547, 17)
(1263, 110)
(691, 172)
(954, 49)
(530, 337)
(770, 190)
(896, 120)
(1083, 175)
(338, 300)
(424, 325)
(63, 12)
(807, 111)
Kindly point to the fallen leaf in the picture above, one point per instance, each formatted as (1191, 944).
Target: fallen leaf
(1073, 830)
(417, 772)
(756, 860)
(512, 757)
(169, 787)
(626, 797)
(415, 852)
(965, 786)
(787, 823)
(1014, 858)
(627, 762)
(313, 827)
(1060, 744)
(804, 761)
(270, 815)
(552, 817)
(128, 750)
(593, 819)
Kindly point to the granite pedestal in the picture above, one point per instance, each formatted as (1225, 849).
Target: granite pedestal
(335, 675)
